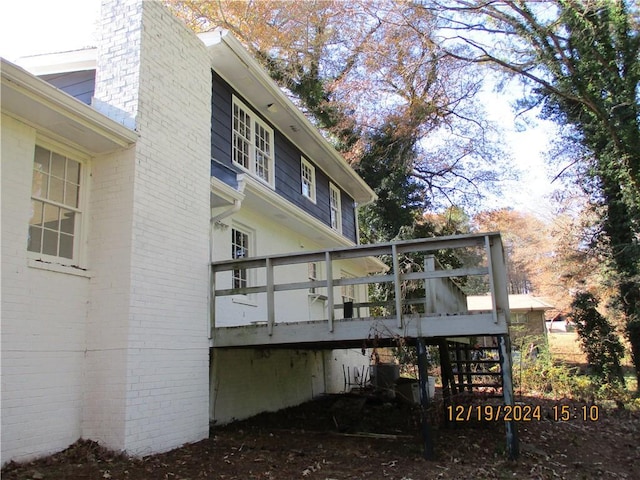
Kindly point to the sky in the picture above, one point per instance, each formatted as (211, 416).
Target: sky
(42, 26)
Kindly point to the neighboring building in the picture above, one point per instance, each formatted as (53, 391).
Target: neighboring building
(527, 314)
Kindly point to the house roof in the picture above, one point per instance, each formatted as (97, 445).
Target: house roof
(233, 62)
(516, 303)
(59, 115)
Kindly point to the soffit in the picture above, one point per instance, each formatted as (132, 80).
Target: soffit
(49, 110)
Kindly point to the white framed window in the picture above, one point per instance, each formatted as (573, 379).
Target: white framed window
(313, 275)
(335, 207)
(348, 291)
(308, 179)
(252, 143)
(240, 248)
(56, 213)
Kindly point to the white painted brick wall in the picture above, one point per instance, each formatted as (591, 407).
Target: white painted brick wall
(246, 381)
(158, 79)
(43, 323)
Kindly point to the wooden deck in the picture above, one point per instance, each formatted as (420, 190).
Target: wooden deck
(358, 332)
(440, 312)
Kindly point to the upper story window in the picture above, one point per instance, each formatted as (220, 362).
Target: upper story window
(308, 180)
(335, 207)
(252, 143)
(55, 206)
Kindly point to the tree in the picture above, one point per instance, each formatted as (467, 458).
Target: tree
(385, 94)
(598, 340)
(581, 62)
(527, 244)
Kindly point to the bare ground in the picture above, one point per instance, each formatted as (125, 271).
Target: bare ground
(346, 437)
(366, 437)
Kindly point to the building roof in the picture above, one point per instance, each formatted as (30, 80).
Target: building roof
(516, 302)
(50, 110)
(235, 64)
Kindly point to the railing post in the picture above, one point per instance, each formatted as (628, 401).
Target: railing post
(397, 284)
(429, 286)
(498, 278)
(492, 280)
(270, 297)
(212, 301)
(329, 270)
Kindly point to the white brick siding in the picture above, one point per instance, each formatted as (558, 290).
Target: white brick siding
(43, 322)
(166, 367)
(119, 353)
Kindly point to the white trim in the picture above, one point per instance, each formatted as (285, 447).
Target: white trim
(333, 189)
(249, 299)
(58, 268)
(256, 121)
(304, 163)
(18, 81)
(81, 220)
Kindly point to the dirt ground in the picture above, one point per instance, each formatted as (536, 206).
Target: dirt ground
(367, 437)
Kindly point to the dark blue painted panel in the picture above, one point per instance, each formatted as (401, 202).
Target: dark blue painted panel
(288, 176)
(80, 85)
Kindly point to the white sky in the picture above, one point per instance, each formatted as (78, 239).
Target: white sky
(30, 27)
(45, 26)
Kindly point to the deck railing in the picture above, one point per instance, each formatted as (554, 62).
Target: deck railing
(442, 295)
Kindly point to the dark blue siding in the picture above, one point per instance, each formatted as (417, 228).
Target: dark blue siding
(287, 162)
(80, 85)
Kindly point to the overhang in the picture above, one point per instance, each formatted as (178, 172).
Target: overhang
(59, 115)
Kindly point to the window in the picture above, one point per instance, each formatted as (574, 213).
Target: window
(239, 249)
(55, 205)
(252, 143)
(519, 318)
(308, 173)
(313, 275)
(348, 291)
(335, 208)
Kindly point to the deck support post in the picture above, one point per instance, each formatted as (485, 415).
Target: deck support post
(425, 401)
(511, 429)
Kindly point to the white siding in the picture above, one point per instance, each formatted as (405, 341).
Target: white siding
(158, 78)
(43, 323)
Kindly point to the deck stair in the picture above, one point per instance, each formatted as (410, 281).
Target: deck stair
(476, 368)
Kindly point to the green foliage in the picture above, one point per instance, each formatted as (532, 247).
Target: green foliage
(580, 60)
(598, 340)
(544, 376)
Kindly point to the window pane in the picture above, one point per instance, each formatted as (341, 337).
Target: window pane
(41, 160)
(73, 171)
(66, 246)
(56, 190)
(57, 165)
(34, 243)
(67, 221)
(50, 243)
(71, 194)
(51, 216)
(39, 184)
(36, 213)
